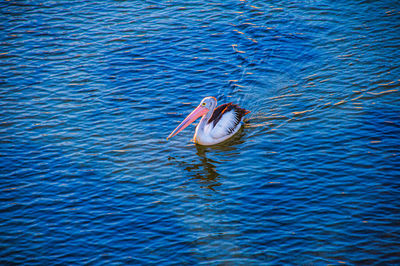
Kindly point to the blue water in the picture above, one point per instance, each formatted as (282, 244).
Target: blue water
(90, 91)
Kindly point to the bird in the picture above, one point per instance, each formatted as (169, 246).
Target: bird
(217, 123)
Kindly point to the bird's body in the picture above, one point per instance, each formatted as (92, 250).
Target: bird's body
(217, 123)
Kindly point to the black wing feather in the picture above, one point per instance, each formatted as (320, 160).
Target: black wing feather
(224, 108)
(218, 112)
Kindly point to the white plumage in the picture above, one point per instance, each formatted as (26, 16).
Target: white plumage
(225, 128)
(217, 123)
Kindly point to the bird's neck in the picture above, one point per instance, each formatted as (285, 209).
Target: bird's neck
(202, 126)
(205, 118)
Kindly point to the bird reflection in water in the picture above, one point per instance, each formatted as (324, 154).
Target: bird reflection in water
(209, 176)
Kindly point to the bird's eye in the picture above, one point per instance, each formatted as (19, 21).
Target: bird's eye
(204, 104)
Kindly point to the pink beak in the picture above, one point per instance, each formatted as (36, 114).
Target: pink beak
(199, 111)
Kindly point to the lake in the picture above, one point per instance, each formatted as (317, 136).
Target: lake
(90, 91)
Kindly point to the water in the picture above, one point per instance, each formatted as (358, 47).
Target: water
(90, 91)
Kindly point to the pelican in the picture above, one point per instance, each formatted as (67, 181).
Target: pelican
(217, 123)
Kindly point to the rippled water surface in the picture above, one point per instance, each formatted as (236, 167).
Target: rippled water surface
(90, 91)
